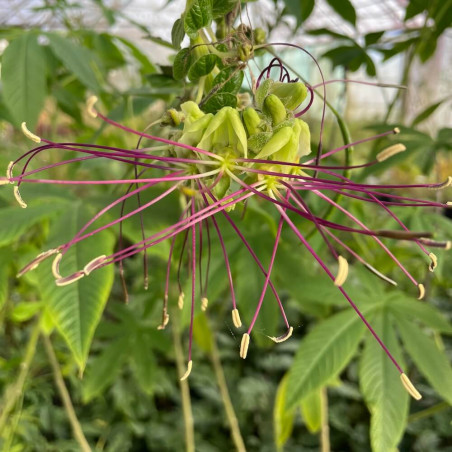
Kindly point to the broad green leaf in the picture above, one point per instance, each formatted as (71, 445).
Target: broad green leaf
(25, 311)
(202, 66)
(311, 409)
(301, 9)
(282, 418)
(222, 7)
(143, 362)
(104, 368)
(345, 9)
(423, 115)
(198, 16)
(177, 33)
(182, 63)
(323, 353)
(228, 80)
(76, 308)
(380, 383)
(78, 60)
(373, 38)
(218, 101)
(430, 360)
(415, 7)
(15, 221)
(24, 78)
(403, 307)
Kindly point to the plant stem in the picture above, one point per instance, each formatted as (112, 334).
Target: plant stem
(17, 389)
(325, 428)
(428, 412)
(65, 397)
(229, 408)
(184, 388)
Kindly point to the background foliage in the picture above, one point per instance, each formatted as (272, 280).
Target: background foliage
(332, 374)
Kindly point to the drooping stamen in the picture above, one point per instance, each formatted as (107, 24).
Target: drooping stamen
(180, 300)
(36, 261)
(342, 271)
(19, 199)
(421, 291)
(410, 387)
(204, 303)
(445, 184)
(188, 371)
(28, 134)
(90, 106)
(92, 265)
(56, 266)
(236, 318)
(244, 344)
(390, 151)
(69, 279)
(282, 338)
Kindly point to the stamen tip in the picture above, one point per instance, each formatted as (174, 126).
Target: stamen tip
(69, 279)
(164, 322)
(396, 130)
(421, 291)
(90, 106)
(342, 271)
(56, 266)
(204, 303)
(9, 172)
(282, 338)
(180, 301)
(28, 134)
(390, 151)
(448, 245)
(188, 371)
(434, 262)
(236, 318)
(410, 387)
(244, 345)
(4, 180)
(93, 264)
(19, 199)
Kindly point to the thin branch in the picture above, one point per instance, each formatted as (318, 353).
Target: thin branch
(325, 428)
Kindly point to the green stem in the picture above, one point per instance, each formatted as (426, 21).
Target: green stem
(325, 428)
(428, 412)
(184, 388)
(65, 397)
(229, 408)
(13, 394)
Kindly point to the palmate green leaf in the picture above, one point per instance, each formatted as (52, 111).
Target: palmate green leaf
(218, 101)
(222, 7)
(202, 66)
(301, 9)
(182, 63)
(228, 80)
(104, 368)
(177, 33)
(430, 360)
(24, 78)
(282, 417)
(76, 308)
(78, 60)
(425, 114)
(345, 9)
(15, 221)
(311, 409)
(198, 16)
(323, 353)
(380, 383)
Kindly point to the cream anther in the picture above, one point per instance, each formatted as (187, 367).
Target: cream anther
(36, 261)
(56, 266)
(19, 199)
(9, 172)
(236, 318)
(90, 106)
(390, 151)
(188, 371)
(396, 130)
(282, 338)
(244, 345)
(445, 184)
(28, 134)
(410, 387)
(421, 291)
(342, 271)
(4, 181)
(204, 303)
(92, 265)
(449, 203)
(433, 263)
(69, 279)
(164, 322)
(180, 301)
(448, 245)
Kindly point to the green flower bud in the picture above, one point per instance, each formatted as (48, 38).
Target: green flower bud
(252, 120)
(259, 36)
(275, 108)
(290, 94)
(194, 130)
(191, 111)
(276, 142)
(262, 92)
(225, 131)
(172, 117)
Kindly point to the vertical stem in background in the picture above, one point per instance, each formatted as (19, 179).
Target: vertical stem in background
(184, 388)
(15, 391)
(65, 397)
(325, 428)
(228, 407)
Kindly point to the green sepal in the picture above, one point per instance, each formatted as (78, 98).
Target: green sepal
(222, 187)
(262, 92)
(252, 120)
(257, 141)
(276, 142)
(275, 108)
(290, 94)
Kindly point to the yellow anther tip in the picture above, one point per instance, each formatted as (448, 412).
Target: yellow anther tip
(396, 130)
(9, 172)
(19, 199)
(244, 345)
(204, 303)
(4, 180)
(433, 263)
(188, 371)
(342, 271)
(282, 338)
(28, 134)
(236, 318)
(421, 291)
(180, 300)
(93, 264)
(164, 323)
(90, 106)
(56, 266)
(390, 151)
(449, 203)
(448, 245)
(410, 387)
(69, 279)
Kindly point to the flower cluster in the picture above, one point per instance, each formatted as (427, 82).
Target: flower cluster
(217, 161)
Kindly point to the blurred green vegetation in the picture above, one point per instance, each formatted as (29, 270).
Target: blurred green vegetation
(120, 372)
